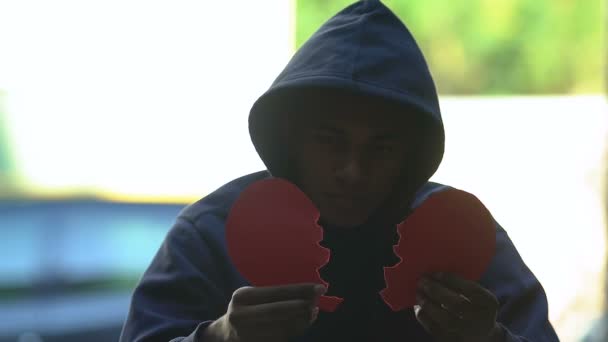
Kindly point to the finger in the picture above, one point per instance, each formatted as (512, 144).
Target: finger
(477, 294)
(457, 284)
(424, 320)
(297, 318)
(446, 297)
(431, 325)
(297, 325)
(437, 313)
(273, 311)
(276, 322)
(285, 327)
(259, 295)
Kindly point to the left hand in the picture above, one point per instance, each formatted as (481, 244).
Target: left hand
(454, 309)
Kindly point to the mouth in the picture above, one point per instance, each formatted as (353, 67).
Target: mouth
(345, 201)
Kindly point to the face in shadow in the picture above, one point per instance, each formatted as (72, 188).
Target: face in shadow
(348, 160)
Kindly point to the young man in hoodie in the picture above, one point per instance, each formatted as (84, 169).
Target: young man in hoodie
(354, 122)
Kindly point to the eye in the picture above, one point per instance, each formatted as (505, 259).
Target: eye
(384, 148)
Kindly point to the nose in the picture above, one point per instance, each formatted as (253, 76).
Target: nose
(351, 172)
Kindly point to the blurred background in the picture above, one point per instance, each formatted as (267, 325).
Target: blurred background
(116, 114)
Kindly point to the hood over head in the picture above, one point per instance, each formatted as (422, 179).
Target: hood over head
(363, 54)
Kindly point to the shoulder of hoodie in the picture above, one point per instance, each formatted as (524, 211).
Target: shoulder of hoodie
(217, 204)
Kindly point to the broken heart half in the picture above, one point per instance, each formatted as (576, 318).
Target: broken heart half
(273, 237)
(451, 231)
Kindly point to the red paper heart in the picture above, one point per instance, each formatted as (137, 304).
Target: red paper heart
(273, 237)
(451, 231)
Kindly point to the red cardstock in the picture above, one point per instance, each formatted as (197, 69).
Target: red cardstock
(273, 239)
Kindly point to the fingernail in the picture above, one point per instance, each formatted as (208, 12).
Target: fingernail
(416, 309)
(320, 290)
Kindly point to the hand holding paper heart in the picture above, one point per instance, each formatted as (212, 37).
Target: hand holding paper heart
(451, 308)
(273, 239)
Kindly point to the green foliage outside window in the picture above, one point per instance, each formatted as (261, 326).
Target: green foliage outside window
(496, 46)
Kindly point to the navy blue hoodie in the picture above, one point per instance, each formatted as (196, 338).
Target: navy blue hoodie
(364, 53)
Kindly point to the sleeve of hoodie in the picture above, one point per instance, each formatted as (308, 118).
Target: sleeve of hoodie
(523, 311)
(178, 295)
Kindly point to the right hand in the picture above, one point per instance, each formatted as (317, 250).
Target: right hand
(269, 314)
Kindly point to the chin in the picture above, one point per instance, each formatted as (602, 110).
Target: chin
(342, 221)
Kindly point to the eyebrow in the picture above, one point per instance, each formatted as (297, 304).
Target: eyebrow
(386, 136)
